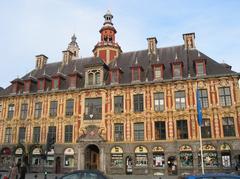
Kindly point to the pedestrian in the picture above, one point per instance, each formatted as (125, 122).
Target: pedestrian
(19, 164)
(13, 174)
(23, 171)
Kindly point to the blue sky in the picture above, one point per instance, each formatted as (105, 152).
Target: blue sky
(29, 28)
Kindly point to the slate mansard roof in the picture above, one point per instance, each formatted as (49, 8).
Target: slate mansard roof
(127, 60)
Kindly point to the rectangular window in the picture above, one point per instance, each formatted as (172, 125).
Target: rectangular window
(180, 100)
(53, 108)
(225, 96)
(135, 74)
(38, 110)
(24, 111)
(69, 107)
(118, 132)
(206, 128)
(139, 131)
(176, 71)
(10, 111)
(8, 135)
(55, 83)
(36, 135)
(200, 69)
(159, 101)
(93, 108)
(52, 132)
(68, 133)
(228, 127)
(138, 102)
(157, 72)
(160, 130)
(118, 104)
(203, 96)
(182, 129)
(22, 135)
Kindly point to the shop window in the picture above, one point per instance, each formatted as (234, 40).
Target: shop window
(182, 129)
(141, 157)
(138, 102)
(11, 109)
(210, 157)
(180, 102)
(93, 109)
(118, 132)
(225, 96)
(118, 104)
(50, 158)
(53, 108)
(159, 101)
(69, 157)
(203, 96)
(139, 131)
(24, 111)
(38, 110)
(36, 157)
(160, 130)
(226, 155)
(69, 107)
(117, 157)
(228, 126)
(158, 157)
(206, 128)
(186, 156)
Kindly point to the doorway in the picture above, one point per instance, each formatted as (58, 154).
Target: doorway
(129, 165)
(92, 157)
(172, 165)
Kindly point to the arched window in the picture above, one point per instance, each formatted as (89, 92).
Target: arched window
(117, 157)
(186, 156)
(90, 79)
(68, 157)
(36, 156)
(226, 155)
(141, 158)
(50, 158)
(158, 157)
(210, 158)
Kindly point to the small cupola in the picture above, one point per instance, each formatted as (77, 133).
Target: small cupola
(73, 47)
(41, 61)
(189, 41)
(152, 45)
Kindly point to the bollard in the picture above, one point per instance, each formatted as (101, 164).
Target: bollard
(35, 176)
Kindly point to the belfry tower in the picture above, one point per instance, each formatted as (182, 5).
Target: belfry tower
(107, 49)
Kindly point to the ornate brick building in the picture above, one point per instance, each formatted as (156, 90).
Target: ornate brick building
(132, 112)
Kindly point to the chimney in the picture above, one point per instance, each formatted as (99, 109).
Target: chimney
(41, 61)
(152, 45)
(67, 56)
(189, 41)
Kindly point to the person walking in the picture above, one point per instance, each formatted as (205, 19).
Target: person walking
(23, 171)
(13, 172)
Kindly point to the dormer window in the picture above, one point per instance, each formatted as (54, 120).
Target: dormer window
(94, 77)
(41, 84)
(27, 85)
(158, 71)
(114, 78)
(136, 73)
(177, 69)
(200, 66)
(55, 83)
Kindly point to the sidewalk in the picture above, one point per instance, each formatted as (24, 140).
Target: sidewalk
(57, 176)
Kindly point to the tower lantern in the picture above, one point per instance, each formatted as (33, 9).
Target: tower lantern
(107, 48)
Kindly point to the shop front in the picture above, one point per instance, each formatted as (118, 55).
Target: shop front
(5, 159)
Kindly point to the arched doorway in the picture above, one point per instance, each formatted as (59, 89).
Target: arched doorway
(92, 157)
